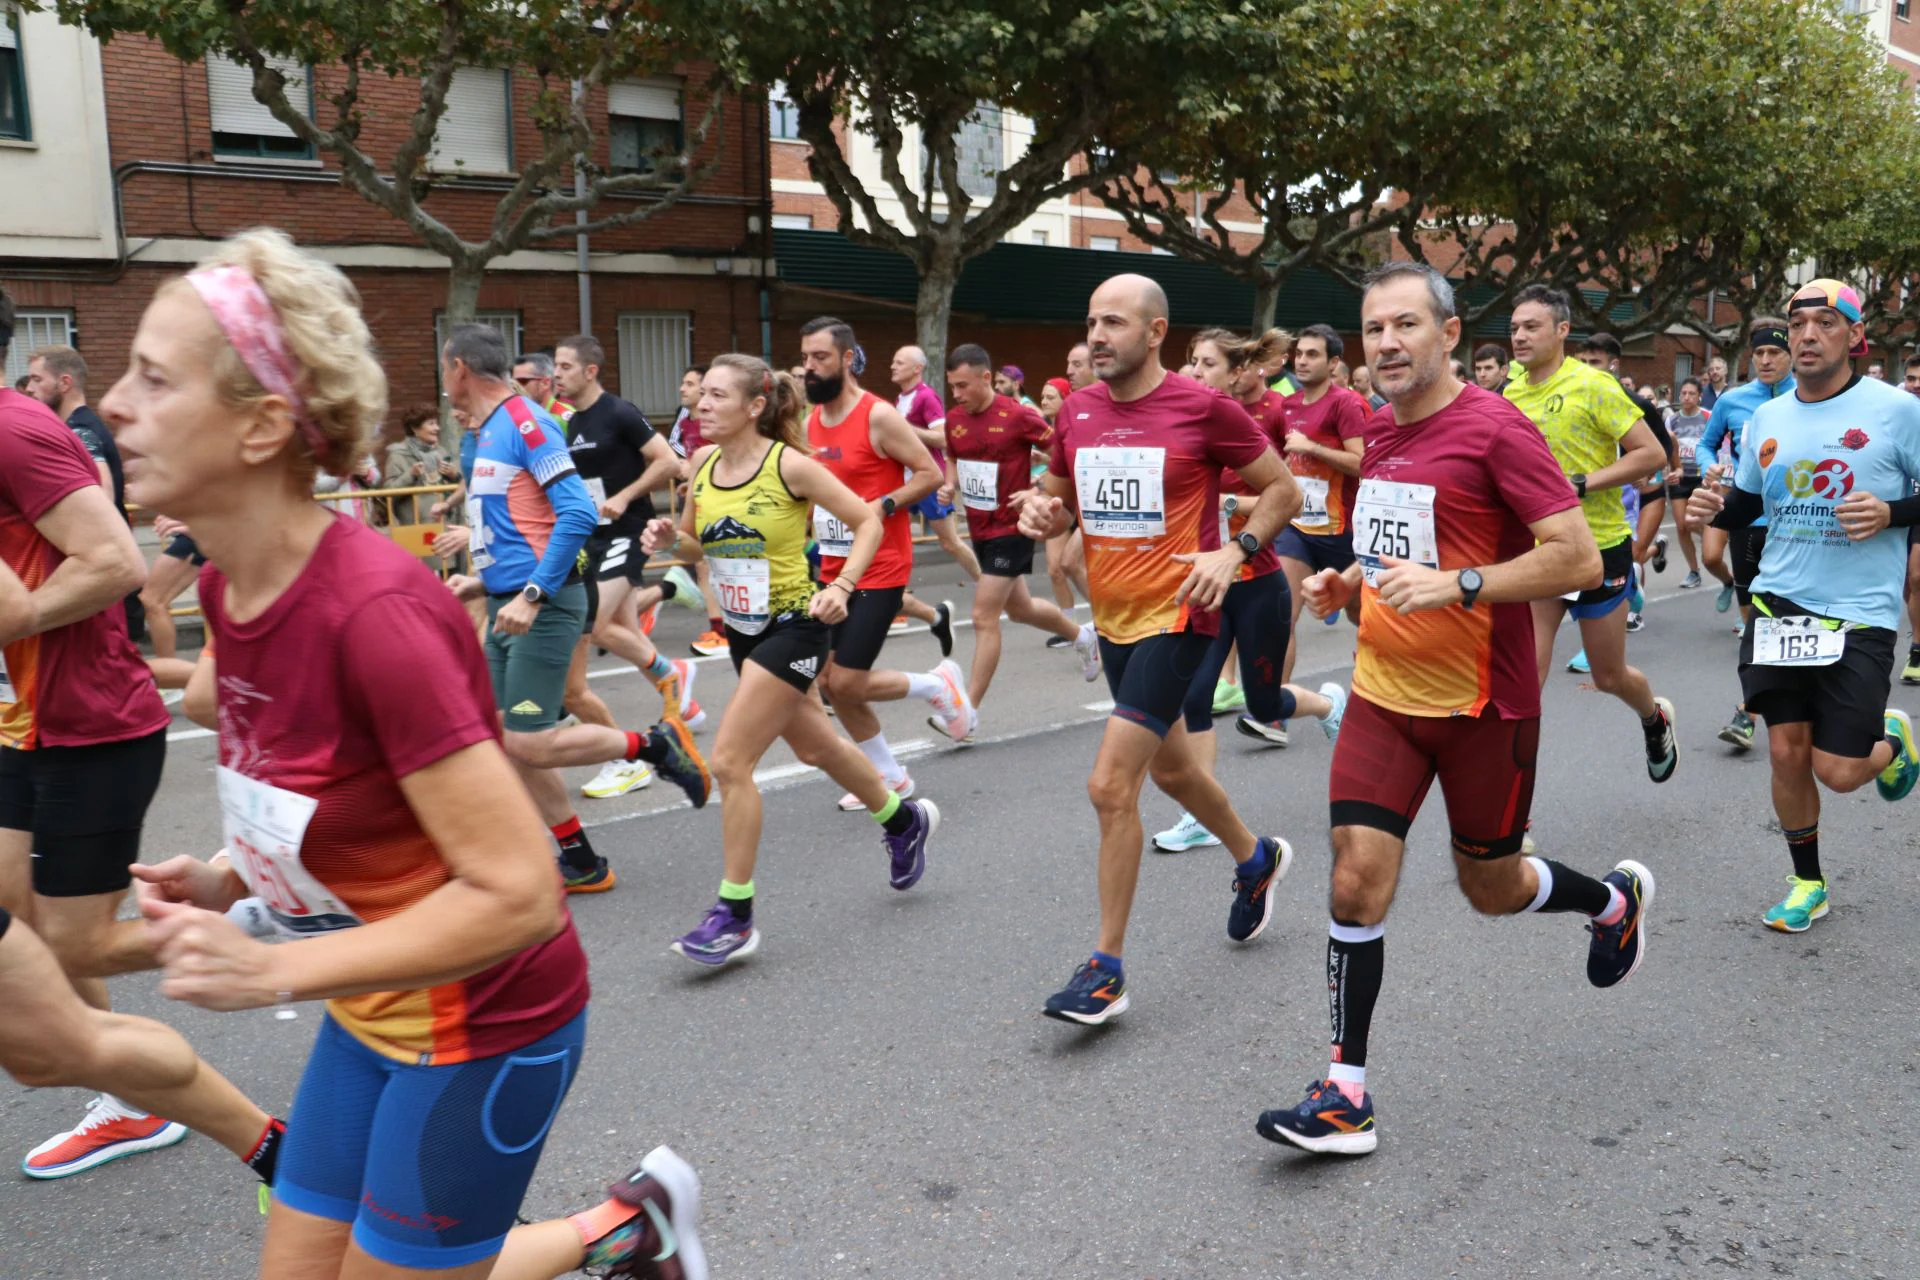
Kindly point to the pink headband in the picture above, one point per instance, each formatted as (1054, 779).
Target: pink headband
(246, 316)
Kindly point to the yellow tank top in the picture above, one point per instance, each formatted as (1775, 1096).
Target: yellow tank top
(754, 536)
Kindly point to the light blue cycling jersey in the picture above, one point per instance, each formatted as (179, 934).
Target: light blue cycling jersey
(531, 510)
(1731, 413)
(1803, 460)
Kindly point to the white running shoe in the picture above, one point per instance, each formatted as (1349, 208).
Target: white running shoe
(111, 1130)
(687, 672)
(617, 777)
(1337, 695)
(1184, 835)
(1087, 645)
(173, 697)
(1274, 735)
(952, 709)
(686, 592)
(850, 803)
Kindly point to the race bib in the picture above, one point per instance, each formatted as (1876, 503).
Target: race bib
(1121, 492)
(1393, 520)
(477, 544)
(264, 826)
(7, 691)
(1796, 642)
(741, 584)
(979, 484)
(1313, 503)
(597, 490)
(835, 539)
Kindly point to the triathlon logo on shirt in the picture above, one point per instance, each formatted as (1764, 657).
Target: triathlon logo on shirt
(1829, 481)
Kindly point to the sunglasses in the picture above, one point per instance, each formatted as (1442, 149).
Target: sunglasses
(530, 379)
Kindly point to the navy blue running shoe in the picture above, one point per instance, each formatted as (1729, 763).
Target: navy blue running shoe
(1253, 883)
(1325, 1122)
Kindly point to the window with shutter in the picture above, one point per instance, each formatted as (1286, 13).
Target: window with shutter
(507, 322)
(475, 134)
(242, 125)
(655, 348)
(783, 118)
(645, 124)
(15, 121)
(33, 330)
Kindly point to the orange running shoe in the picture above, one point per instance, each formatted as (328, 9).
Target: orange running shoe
(111, 1130)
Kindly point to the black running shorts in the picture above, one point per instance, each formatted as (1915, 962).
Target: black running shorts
(857, 638)
(1149, 678)
(793, 647)
(1008, 557)
(84, 807)
(1845, 702)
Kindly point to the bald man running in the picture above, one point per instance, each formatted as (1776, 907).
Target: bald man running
(1136, 463)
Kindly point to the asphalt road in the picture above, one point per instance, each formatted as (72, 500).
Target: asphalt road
(875, 1093)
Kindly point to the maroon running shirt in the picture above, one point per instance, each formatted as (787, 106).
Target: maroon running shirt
(83, 683)
(993, 452)
(366, 670)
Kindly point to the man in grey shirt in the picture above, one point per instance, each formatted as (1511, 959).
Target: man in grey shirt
(1687, 420)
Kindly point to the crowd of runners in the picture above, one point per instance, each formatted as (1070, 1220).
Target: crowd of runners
(400, 841)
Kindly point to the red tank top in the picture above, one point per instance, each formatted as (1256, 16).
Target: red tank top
(846, 449)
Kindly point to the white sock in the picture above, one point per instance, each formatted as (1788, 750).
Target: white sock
(1345, 1073)
(925, 686)
(1545, 872)
(1087, 634)
(876, 750)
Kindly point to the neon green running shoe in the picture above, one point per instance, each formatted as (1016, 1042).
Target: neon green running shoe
(1805, 902)
(1897, 779)
(1228, 697)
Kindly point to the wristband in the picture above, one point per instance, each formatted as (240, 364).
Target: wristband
(842, 584)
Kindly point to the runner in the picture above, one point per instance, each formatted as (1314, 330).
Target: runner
(533, 514)
(1602, 440)
(393, 845)
(1323, 426)
(623, 460)
(865, 443)
(533, 373)
(1772, 379)
(57, 378)
(83, 738)
(1139, 461)
(747, 511)
(1463, 517)
(1645, 503)
(1688, 424)
(920, 405)
(1066, 556)
(1833, 466)
(992, 439)
(686, 441)
(1254, 617)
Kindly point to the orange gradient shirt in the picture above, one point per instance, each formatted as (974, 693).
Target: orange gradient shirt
(1458, 490)
(1146, 477)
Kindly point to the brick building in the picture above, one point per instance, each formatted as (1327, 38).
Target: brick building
(120, 165)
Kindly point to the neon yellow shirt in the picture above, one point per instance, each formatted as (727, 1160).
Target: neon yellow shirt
(1584, 413)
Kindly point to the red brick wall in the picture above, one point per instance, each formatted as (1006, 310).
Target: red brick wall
(157, 110)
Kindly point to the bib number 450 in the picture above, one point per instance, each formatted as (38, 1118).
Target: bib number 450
(1119, 494)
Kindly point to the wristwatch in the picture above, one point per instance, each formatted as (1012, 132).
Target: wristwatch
(1579, 483)
(1248, 544)
(1470, 584)
(888, 506)
(1231, 505)
(533, 594)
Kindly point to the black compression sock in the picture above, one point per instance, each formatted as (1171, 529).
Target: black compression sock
(265, 1160)
(1572, 891)
(900, 821)
(667, 590)
(1804, 847)
(1356, 963)
(576, 853)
